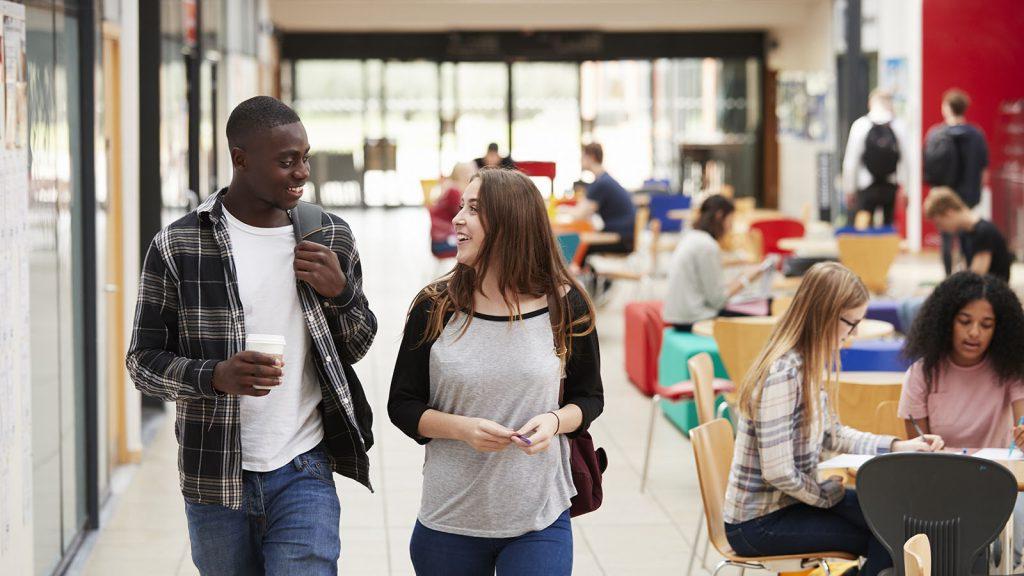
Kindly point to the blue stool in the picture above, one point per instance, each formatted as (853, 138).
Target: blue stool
(886, 310)
(874, 356)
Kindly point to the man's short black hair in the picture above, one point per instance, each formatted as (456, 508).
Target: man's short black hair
(492, 147)
(255, 115)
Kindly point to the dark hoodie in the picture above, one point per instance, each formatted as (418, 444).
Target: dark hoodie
(973, 160)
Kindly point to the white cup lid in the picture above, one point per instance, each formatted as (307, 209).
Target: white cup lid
(265, 339)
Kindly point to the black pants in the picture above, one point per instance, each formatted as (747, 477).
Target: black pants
(878, 196)
(723, 313)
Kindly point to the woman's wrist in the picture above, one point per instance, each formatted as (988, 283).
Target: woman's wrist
(558, 422)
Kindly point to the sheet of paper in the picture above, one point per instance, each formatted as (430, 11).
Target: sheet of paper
(854, 461)
(998, 454)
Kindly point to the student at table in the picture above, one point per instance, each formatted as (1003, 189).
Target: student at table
(696, 281)
(967, 384)
(983, 246)
(775, 503)
(444, 209)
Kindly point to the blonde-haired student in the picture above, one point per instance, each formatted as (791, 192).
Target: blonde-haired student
(775, 503)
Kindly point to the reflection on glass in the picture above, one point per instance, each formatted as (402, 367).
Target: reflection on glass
(615, 99)
(546, 118)
(480, 104)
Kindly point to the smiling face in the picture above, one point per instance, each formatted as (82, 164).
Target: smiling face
(275, 165)
(469, 227)
(973, 328)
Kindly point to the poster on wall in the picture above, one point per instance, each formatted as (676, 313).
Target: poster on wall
(895, 78)
(15, 380)
(15, 83)
(802, 105)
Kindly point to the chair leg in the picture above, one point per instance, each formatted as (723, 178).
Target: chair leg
(719, 566)
(826, 567)
(696, 541)
(650, 439)
(704, 555)
(720, 412)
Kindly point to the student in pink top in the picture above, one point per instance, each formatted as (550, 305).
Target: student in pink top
(968, 382)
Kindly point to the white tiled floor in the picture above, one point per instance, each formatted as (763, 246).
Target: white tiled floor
(633, 533)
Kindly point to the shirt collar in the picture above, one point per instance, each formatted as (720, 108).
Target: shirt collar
(212, 207)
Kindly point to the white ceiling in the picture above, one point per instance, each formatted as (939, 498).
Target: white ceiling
(621, 15)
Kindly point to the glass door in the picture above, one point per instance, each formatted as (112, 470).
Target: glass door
(546, 118)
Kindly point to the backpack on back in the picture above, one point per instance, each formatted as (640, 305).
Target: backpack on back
(941, 159)
(881, 152)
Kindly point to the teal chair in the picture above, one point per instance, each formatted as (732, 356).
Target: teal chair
(674, 394)
(570, 244)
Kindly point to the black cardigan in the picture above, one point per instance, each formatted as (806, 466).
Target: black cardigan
(410, 384)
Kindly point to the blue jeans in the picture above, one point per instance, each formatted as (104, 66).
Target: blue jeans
(546, 552)
(288, 523)
(801, 528)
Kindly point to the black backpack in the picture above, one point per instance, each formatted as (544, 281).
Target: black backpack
(881, 152)
(941, 159)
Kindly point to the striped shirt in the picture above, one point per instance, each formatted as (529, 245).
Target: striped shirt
(189, 317)
(775, 460)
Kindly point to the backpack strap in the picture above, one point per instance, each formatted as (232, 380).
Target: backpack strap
(307, 221)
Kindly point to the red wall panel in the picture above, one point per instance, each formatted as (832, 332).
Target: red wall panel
(977, 46)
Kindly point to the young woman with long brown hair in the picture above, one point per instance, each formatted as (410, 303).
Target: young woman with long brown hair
(478, 381)
(775, 503)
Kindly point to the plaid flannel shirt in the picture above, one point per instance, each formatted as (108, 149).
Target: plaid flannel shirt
(189, 317)
(775, 461)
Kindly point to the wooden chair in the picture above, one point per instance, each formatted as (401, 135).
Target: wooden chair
(713, 451)
(917, 556)
(887, 421)
(429, 186)
(858, 403)
(703, 387)
(740, 340)
(870, 257)
(780, 304)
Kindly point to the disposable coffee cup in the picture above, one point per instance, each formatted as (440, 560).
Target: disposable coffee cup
(270, 344)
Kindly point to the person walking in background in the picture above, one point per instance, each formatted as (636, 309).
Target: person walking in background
(774, 503)
(956, 157)
(872, 165)
(259, 436)
(493, 159)
(983, 245)
(445, 207)
(485, 352)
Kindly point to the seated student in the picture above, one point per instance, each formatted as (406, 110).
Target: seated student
(967, 384)
(494, 159)
(444, 209)
(775, 503)
(696, 285)
(609, 200)
(983, 246)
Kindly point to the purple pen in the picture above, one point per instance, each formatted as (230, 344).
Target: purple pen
(523, 438)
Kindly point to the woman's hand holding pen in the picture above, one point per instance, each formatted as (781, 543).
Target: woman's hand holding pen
(923, 443)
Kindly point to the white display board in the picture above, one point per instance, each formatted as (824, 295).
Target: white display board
(15, 380)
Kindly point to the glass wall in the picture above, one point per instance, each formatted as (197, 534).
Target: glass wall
(58, 438)
(693, 122)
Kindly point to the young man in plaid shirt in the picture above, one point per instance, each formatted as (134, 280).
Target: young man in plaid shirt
(258, 437)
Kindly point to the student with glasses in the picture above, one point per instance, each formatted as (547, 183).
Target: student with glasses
(775, 503)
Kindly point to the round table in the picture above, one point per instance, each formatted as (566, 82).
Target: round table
(868, 329)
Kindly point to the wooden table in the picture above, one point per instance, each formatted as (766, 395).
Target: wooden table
(818, 247)
(868, 329)
(599, 238)
(860, 393)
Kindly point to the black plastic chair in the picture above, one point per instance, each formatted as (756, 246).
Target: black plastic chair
(961, 503)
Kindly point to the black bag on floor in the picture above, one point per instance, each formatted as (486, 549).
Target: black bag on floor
(798, 266)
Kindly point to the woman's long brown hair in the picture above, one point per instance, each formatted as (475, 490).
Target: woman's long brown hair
(520, 249)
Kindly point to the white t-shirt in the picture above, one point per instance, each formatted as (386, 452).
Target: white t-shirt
(285, 423)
